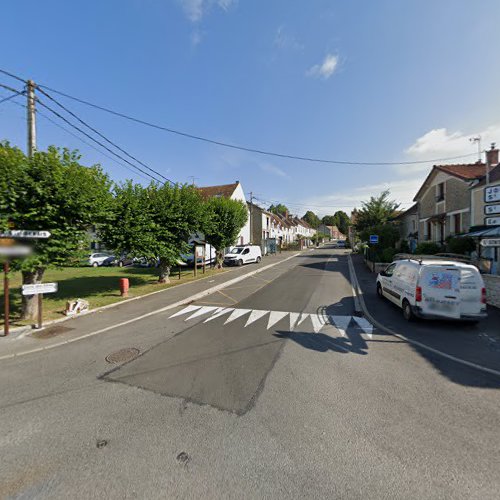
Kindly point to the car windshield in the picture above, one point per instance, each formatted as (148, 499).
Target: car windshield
(236, 250)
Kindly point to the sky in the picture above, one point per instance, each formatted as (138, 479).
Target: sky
(366, 81)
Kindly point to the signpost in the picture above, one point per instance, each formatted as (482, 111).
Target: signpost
(373, 238)
(490, 242)
(492, 221)
(491, 209)
(39, 289)
(492, 194)
(25, 234)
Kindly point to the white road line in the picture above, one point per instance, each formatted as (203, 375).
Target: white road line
(181, 302)
(382, 327)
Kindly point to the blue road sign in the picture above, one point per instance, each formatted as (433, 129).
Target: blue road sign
(373, 238)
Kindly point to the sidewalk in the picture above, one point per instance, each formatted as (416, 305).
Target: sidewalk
(107, 317)
(479, 344)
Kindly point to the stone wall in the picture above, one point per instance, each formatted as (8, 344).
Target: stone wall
(492, 284)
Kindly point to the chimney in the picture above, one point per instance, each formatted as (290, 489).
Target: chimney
(286, 211)
(492, 156)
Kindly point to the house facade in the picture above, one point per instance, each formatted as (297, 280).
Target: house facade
(444, 201)
(408, 226)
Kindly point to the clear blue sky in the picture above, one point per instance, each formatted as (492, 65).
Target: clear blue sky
(351, 80)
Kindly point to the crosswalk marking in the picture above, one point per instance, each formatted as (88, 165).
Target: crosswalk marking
(317, 321)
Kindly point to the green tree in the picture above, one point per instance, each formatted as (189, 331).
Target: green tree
(376, 211)
(343, 221)
(278, 209)
(329, 220)
(225, 217)
(154, 222)
(51, 191)
(312, 219)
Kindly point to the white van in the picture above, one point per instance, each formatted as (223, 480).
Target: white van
(434, 289)
(243, 254)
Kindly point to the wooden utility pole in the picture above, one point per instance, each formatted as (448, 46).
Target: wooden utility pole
(31, 117)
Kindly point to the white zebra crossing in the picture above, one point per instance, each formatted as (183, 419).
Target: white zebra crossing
(318, 321)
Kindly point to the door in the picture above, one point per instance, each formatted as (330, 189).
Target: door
(440, 291)
(246, 256)
(471, 286)
(386, 281)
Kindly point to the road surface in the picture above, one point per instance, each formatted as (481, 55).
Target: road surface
(270, 388)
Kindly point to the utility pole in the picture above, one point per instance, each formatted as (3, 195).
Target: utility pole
(30, 94)
(477, 140)
(251, 211)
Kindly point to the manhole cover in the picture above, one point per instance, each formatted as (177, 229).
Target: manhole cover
(123, 355)
(50, 332)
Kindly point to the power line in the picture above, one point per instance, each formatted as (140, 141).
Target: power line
(95, 140)
(103, 136)
(11, 96)
(46, 117)
(241, 148)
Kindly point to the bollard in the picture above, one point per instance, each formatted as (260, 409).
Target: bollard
(124, 285)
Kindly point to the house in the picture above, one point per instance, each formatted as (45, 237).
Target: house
(234, 192)
(444, 201)
(408, 226)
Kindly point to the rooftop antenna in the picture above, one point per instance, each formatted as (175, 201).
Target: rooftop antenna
(193, 178)
(477, 140)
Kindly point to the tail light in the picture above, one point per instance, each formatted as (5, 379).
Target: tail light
(418, 294)
(483, 295)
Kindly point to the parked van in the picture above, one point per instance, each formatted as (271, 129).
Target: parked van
(243, 254)
(434, 289)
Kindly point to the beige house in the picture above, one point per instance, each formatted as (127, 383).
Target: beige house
(408, 226)
(444, 201)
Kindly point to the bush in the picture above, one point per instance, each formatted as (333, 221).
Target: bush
(427, 248)
(461, 246)
(387, 255)
(404, 247)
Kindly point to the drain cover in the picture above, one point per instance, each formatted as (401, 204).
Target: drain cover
(123, 355)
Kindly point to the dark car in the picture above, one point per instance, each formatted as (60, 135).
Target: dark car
(118, 261)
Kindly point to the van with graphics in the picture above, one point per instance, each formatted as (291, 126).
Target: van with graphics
(433, 288)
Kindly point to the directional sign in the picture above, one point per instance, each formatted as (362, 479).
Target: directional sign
(15, 251)
(492, 194)
(490, 242)
(491, 209)
(25, 234)
(492, 221)
(39, 288)
(373, 238)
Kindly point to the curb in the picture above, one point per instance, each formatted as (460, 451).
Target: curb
(400, 336)
(181, 302)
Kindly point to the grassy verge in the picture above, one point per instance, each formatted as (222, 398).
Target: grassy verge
(100, 286)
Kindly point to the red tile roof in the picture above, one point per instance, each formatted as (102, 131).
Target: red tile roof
(226, 191)
(467, 172)
(494, 176)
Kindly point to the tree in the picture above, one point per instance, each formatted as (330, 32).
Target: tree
(342, 221)
(312, 219)
(225, 217)
(154, 222)
(50, 191)
(376, 211)
(329, 220)
(278, 209)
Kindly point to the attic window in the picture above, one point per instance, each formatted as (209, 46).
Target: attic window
(440, 192)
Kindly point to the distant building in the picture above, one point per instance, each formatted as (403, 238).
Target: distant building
(408, 226)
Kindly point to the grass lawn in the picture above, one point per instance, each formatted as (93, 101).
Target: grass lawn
(98, 285)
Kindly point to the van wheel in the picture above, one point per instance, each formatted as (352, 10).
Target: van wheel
(407, 312)
(379, 291)
(257, 260)
(240, 262)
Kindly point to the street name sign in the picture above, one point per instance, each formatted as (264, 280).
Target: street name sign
(373, 238)
(492, 194)
(490, 242)
(14, 251)
(39, 288)
(491, 209)
(492, 221)
(24, 234)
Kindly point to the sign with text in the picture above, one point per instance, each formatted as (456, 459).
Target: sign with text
(14, 251)
(39, 288)
(490, 242)
(491, 209)
(24, 234)
(492, 221)
(373, 238)
(492, 194)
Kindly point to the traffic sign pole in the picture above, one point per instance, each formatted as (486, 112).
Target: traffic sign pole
(6, 298)
(40, 301)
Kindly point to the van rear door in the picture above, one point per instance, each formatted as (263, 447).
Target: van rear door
(440, 291)
(471, 285)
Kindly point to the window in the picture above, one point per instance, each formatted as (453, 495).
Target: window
(429, 230)
(457, 223)
(389, 271)
(440, 192)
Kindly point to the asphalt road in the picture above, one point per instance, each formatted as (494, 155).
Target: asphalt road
(268, 389)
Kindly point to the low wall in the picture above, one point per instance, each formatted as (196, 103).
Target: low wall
(492, 284)
(375, 267)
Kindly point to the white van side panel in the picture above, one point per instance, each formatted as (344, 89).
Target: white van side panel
(471, 284)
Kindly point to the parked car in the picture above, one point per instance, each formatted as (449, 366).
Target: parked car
(243, 254)
(118, 261)
(341, 244)
(97, 259)
(434, 288)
